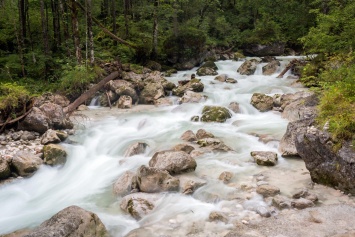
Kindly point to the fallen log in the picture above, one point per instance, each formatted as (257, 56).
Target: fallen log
(8, 121)
(81, 99)
(288, 67)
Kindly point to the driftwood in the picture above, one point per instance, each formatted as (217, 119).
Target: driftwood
(108, 99)
(288, 67)
(81, 99)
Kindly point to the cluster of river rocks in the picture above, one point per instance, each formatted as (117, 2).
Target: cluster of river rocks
(41, 132)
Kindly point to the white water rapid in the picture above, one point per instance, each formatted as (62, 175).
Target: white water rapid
(95, 162)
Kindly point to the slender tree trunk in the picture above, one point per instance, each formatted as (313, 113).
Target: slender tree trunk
(75, 28)
(126, 13)
(175, 18)
(113, 9)
(18, 34)
(44, 29)
(22, 17)
(63, 10)
(155, 30)
(56, 25)
(90, 33)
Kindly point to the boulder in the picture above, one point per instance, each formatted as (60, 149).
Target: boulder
(127, 91)
(271, 67)
(286, 99)
(248, 67)
(221, 78)
(281, 202)
(52, 98)
(265, 158)
(327, 166)
(209, 68)
(302, 203)
(5, 171)
(54, 154)
(26, 163)
(125, 184)
(175, 162)
(267, 190)
(262, 102)
(261, 50)
(215, 114)
(213, 144)
(301, 108)
(184, 147)
(287, 145)
(72, 221)
(28, 136)
(188, 136)
(139, 204)
(153, 180)
(56, 116)
(36, 121)
(231, 80)
(202, 133)
(194, 85)
(304, 193)
(165, 101)
(136, 149)
(189, 183)
(50, 136)
(234, 106)
(225, 176)
(124, 102)
(151, 92)
(192, 97)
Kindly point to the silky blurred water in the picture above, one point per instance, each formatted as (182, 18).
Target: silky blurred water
(94, 163)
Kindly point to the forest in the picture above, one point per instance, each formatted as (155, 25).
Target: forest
(60, 46)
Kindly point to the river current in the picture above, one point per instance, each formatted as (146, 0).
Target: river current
(96, 161)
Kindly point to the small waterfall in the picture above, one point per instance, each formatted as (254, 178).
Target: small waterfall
(95, 101)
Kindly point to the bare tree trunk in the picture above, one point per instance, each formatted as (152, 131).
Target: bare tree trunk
(90, 33)
(70, 108)
(175, 18)
(75, 28)
(22, 17)
(44, 29)
(155, 30)
(19, 39)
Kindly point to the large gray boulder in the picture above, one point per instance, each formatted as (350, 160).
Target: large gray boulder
(287, 145)
(72, 221)
(26, 163)
(262, 102)
(261, 50)
(175, 162)
(248, 67)
(208, 68)
(124, 102)
(327, 166)
(192, 97)
(215, 114)
(152, 180)
(139, 204)
(301, 108)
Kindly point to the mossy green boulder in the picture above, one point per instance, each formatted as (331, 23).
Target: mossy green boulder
(215, 114)
(54, 155)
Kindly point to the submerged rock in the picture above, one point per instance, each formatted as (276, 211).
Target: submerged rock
(72, 221)
(213, 144)
(267, 190)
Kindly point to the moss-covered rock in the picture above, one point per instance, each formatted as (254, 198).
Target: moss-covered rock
(215, 114)
(194, 85)
(262, 102)
(208, 68)
(54, 154)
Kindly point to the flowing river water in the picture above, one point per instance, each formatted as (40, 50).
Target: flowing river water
(96, 161)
